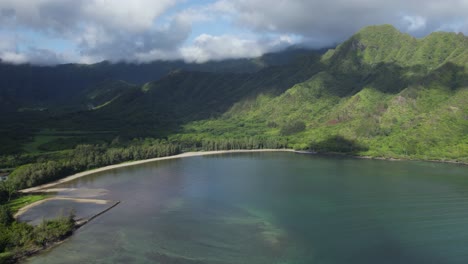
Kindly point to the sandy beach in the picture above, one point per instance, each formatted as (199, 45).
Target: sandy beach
(133, 163)
(78, 200)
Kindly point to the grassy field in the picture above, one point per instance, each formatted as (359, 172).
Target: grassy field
(23, 201)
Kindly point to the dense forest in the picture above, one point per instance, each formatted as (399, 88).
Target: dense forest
(382, 93)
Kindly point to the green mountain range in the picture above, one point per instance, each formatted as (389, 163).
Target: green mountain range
(381, 93)
(30, 87)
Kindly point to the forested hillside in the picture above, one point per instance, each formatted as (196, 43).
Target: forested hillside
(382, 93)
(54, 108)
(161, 107)
(63, 87)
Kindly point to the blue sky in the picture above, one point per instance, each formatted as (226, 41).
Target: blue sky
(88, 31)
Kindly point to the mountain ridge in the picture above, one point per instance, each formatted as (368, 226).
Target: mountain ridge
(387, 106)
(50, 86)
(381, 93)
(385, 44)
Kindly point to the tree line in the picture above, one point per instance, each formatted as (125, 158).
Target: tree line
(243, 143)
(85, 157)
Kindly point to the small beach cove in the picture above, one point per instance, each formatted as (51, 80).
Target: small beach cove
(85, 204)
(138, 162)
(270, 207)
(83, 196)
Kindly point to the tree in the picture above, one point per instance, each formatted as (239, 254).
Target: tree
(6, 217)
(7, 190)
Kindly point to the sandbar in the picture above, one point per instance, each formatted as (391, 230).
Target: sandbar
(78, 200)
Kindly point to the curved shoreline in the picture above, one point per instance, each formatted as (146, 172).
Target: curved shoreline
(204, 153)
(24, 209)
(138, 162)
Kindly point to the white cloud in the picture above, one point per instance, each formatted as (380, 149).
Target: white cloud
(207, 47)
(133, 46)
(69, 15)
(11, 52)
(133, 16)
(8, 50)
(39, 57)
(114, 30)
(127, 30)
(414, 23)
(335, 20)
(145, 30)
(13, 57)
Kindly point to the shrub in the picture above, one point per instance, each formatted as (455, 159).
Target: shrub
(338, 143)
(53, 230)
(6, 218)
(6, 257)
(292, 128)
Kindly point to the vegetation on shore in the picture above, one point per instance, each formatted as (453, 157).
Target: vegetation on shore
(18, 240)
(21, 201)
(381, 93)
(86, 157)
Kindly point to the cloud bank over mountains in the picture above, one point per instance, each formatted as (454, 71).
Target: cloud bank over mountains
(86, 31)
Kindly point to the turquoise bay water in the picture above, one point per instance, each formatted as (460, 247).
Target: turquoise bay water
(275, 208)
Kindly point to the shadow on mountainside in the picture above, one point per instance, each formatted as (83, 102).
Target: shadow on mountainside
(393, 78)
(165, 106)
(338, 144)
